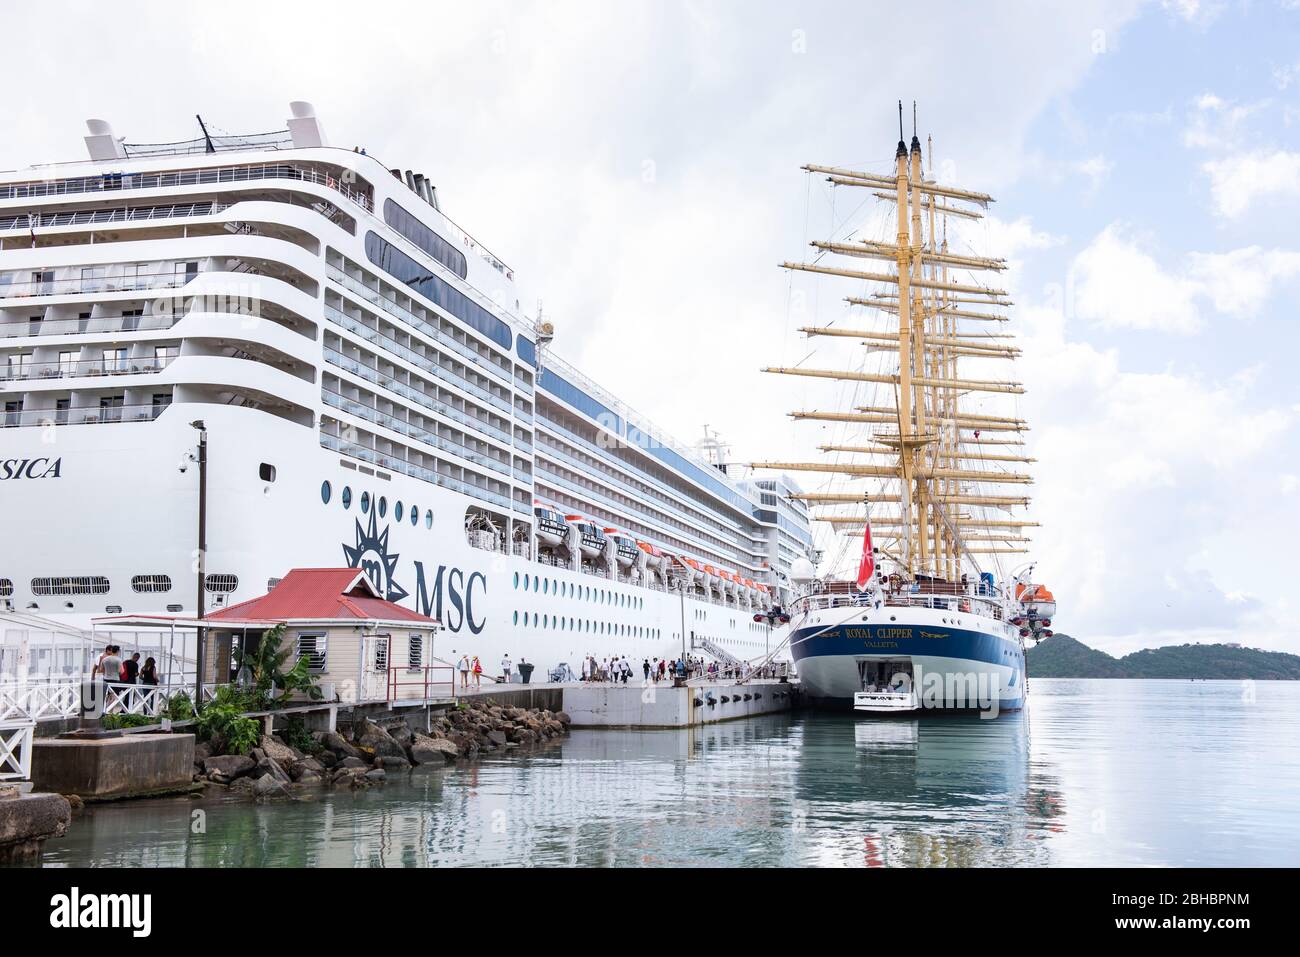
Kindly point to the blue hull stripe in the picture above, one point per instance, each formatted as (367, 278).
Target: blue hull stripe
(892, 640)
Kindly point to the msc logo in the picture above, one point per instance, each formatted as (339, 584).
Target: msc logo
(30, 469)
(370, 554)
(459, 594)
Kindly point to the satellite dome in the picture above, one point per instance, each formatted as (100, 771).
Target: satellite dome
(802, 571)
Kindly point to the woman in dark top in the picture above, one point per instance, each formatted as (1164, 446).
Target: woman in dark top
(149, 673)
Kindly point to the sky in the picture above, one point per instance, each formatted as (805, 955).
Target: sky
(638, 166)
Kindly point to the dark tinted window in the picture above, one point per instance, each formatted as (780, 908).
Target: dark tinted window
(425, 238)
(383, 254)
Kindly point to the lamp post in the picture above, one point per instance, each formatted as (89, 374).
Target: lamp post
(199, 658)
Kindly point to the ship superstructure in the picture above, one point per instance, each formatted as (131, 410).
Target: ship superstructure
(371, 393)
(937, 465)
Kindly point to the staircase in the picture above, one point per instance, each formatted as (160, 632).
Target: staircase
(703, 644)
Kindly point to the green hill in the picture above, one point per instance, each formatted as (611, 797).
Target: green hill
(1064, 657)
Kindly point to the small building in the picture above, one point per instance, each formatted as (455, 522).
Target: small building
(361, 646)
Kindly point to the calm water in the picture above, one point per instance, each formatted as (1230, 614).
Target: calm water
(1095, 773)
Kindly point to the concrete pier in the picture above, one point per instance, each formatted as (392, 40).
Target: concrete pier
(27, 821)
(662, 705)
(103, 769)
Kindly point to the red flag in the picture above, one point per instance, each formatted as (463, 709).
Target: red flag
(867, 568)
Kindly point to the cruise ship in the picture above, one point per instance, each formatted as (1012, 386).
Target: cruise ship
(366, 391)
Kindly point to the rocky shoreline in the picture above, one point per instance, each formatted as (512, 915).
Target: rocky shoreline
(373, 749)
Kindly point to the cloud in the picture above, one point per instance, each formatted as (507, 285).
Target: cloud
(1119, 285)
(1237, 182)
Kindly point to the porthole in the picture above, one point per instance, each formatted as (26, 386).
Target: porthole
(516, 617)
(174, 608)
(398, 510)
(383, 506)
(525, 581)
(546, 586)
(266, 472)
(516, 588)
(536, 583)
(325, 492)
(347, 496)
(365, 502)
(428, 518)
(415, 515)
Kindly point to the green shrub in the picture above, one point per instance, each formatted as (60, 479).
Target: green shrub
(180, 707)
(295, 735)
(114, 722)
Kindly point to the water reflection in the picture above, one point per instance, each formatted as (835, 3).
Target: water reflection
(1093, 773)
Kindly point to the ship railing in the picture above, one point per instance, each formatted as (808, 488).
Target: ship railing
(114, 182)
(95, 217)
(87, 415)
(94, 285)
(960, 603)
(71, 369)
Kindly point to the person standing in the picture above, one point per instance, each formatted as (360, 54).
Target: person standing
(645, 669)
(463, 668)
(506, 667)
(131, 669)
(111, 666)
(477, 668)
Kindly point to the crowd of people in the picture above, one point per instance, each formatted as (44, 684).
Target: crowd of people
(620, 669)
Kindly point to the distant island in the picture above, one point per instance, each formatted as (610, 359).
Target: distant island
(1064, 657)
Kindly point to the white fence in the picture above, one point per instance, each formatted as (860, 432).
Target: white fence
(16, 750)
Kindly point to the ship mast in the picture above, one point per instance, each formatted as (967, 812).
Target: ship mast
(927, 447)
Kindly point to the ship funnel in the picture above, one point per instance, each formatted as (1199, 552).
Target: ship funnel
(305, 129)
(101, 143)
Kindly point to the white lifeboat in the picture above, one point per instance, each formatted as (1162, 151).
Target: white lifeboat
(625, 547)
(691, 571)
(1037, 600)
(591, 539)
(552, 529)
(655, 559)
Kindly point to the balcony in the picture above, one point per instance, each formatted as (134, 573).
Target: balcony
(84, 367)
(89, 415)
(114, 182)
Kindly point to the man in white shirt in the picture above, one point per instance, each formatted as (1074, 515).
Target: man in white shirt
(506, 668)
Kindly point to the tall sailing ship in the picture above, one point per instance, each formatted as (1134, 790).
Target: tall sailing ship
(933, 620)
(370, 394)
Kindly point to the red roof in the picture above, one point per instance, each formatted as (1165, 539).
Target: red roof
(320, 594)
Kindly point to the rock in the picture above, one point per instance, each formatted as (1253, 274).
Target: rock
(563, 718)
(305, 766)
(268, 785)
(497, 737)
(271, 767)
(244, 784)
(375, 739)
(75, 802)
(391, 763)
(327, 759)
(378, 774)
(339, 745)
(309, 778)
(229, 766)
(433, 750)
(346, 775)
(278, 752)
(352, 764)
(201, 751)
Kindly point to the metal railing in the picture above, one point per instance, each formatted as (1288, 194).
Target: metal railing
(71, 369)
(113, 182)
(959, 603)
(127, 214)
(90, 415)
(93, 285)
(421, 684)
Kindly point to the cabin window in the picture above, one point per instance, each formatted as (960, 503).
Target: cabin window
(266, 472)
(222, 584)
(313, 645)
(381, 653)
(150, 584)
(326, 490)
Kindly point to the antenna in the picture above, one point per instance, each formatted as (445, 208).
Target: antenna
(206, 138)
(914, 118)
(900, 120)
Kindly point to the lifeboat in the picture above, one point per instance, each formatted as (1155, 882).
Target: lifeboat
(1037, 600)
(591, 538)
(654, 555)
(691, 571)
(731, 583)
(764, 594)
(625, 547)
(552, 529)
